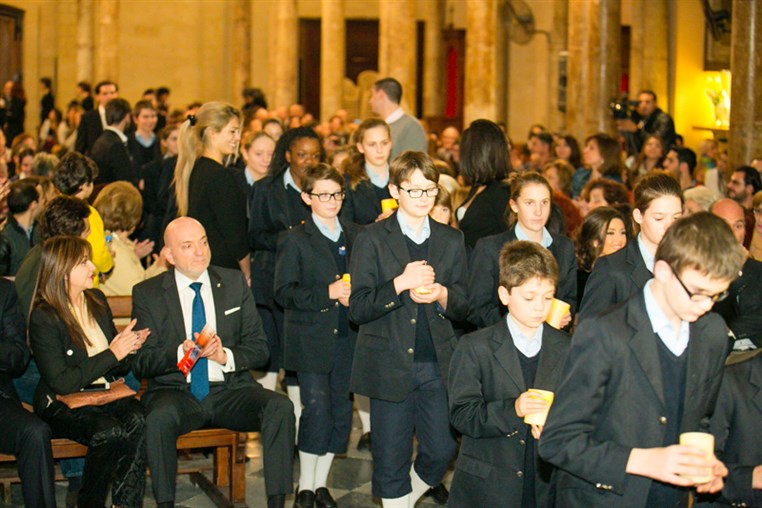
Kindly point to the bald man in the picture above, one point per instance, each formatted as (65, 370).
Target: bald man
(174, 306)
(742, 309)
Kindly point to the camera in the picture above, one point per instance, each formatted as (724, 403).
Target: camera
(623, 109)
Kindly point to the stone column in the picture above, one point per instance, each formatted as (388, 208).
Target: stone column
(241, 72)
(433, 58)
(107, 40)
(396, 47)
(594, 66)
(283, 53)
(480, 91)
(557, 43)
(333, 56)
(745, 93)
(649, 49)
(84, 40)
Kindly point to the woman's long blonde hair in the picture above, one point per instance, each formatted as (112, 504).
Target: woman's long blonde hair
(191, 143)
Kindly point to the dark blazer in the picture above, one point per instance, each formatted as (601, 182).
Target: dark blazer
(742, 309)
(304, 267)
(735, 425)
(610, 400)
(614, 279)
(361, 205)
(383, 363)
(90, 128)
(248, 190)
(269, 216)
(14, 352)
(156, 306)
(216, 201)
(113, 159)
(64, 366)
(485, 381)
(484, 276)
(485, 215)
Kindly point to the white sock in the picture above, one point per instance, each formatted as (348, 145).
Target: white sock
(269, 380)
(397, 502)
(294, 395)
(307, 463)
(322, 469)
(418, 485)
(363, 410)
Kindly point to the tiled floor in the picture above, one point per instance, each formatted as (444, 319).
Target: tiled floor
(349, 482)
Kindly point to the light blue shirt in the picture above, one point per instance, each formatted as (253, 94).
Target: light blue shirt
(546, 238)
(675, 340)
(145, 142)
(528, 345)
(378, 181)
(326, 231)
(408, 231)
(250, 179)
(648, 258)
(289, 180)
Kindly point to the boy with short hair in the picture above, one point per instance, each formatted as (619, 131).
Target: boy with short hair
(490, 375)
(310, 263)
(20, 232)
(408, 284)
(642, 373)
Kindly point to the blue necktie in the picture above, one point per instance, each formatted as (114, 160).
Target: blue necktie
(200, 379)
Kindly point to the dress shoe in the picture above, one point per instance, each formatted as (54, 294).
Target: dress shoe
(304, 499)
(364, 443)
(276, 501)
(323, 499)
(438, 493)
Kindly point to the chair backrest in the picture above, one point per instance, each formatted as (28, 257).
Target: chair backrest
(121, 309)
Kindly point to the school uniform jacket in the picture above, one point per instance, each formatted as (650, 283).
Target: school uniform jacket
(361, 205)
(484, 277)
(611, 400)
(383, 362)
(304, 267)
(614, 279)
(485, 381)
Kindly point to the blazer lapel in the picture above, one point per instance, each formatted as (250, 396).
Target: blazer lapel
(639, 274)
(319, 244)
(550, 355)
(172, 304)
(755, 380)
(507, 357)
(396, 241)
(644, 346)
(219, 291)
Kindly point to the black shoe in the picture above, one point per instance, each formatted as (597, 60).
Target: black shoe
(276, 501)
(323, 499)
(304, 499)
(438, 493)
(364, 443)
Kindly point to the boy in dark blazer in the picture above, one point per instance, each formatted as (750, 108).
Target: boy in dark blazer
(408, 284)
(490, 374)
(642, 373)
(309, 266)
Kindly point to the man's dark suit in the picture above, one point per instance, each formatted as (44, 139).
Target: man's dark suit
(611, 400)
(24, 435)
(614, 279)
(742, 309)
(238, 403)
(485, 381)
(90, 128)
(484, 277)
(113, 160)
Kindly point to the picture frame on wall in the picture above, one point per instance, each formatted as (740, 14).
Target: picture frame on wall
(718, 15)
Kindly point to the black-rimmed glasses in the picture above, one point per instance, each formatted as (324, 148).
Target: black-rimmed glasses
(699, 297)
(417, 193)
(325, 197)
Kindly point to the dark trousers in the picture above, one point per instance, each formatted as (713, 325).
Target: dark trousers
(424, 413)
(250, 408)
(28, 438)
(115, 437)
(272, 322)
(326, 419)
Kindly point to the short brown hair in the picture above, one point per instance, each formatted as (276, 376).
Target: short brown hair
(320, 172)
(653, 186)
(523, 260)
(702, 242)
(120, 206)
(614, 193)
(407, 162)
(443, 198)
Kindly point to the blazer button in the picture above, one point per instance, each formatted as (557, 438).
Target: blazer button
(335, 332)
(336, 304)
(410, 351)
(522, 442)
(662, 420)
(520, 474)
(412, 321)
(69, 352)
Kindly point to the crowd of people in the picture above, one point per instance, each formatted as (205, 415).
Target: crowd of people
(444, 282)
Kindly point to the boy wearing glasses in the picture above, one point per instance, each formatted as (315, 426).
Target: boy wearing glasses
(310, 263)
(408, 284)
(643, 372)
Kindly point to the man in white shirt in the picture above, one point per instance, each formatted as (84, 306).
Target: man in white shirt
(407, 131)
(94, 121)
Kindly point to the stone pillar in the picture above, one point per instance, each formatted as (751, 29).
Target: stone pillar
(241, 72)
(106, 64)
(594, 66)
(433, 58)
(283, 53)
(745, 93)
(480, 91)
(397, 46)
(84, 40)
(333, 57)
(649, 49)
(557, 43)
